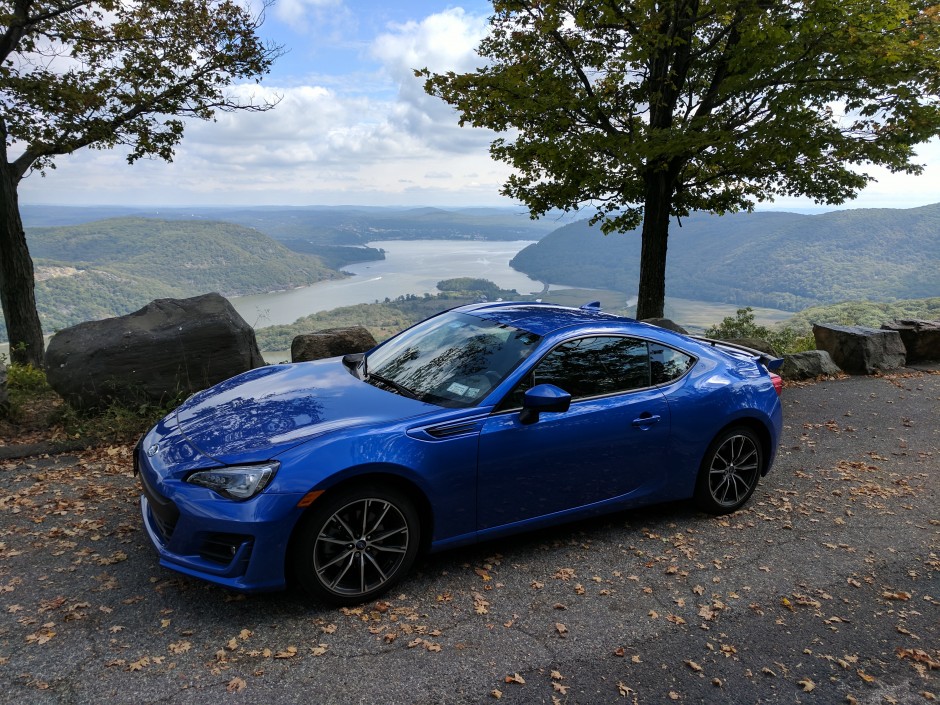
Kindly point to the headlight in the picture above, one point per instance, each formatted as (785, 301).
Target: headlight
(239, 482)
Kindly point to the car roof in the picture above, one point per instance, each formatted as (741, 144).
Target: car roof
(542, 318)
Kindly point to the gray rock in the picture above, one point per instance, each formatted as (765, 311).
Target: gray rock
(858, 350)
(169, 348)
(920, 338)
(667, 324)
(330, 343)
(808, 365)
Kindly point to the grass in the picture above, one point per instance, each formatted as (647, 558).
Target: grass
(37, 413)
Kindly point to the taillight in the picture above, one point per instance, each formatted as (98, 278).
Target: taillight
(778, 383)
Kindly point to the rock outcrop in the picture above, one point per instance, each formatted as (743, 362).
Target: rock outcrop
(858, 350)
(330, 343)
(921, 338)
(169, 348)
(808, 365)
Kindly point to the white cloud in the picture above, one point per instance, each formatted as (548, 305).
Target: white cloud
(367, 135)
(442, 42)
(301, 13)
(373, 138)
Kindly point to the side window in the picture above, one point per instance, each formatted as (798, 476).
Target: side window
(589, 367)
(667, 364)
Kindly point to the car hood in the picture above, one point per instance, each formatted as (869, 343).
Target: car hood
(263, 412)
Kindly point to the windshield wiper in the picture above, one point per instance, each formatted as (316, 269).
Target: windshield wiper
(393, 386)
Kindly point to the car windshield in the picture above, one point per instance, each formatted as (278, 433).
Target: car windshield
(453, 359)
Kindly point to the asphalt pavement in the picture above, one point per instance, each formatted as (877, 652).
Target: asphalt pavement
(825, 589)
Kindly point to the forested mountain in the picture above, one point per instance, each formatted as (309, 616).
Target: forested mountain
(113, 267)
(780, 260)
(326, 225)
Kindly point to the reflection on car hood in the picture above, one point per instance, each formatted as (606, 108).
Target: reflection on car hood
(260, 413)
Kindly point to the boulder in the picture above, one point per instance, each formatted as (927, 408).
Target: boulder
(921, 338)
(808, 365)
(858, 350)
(667, 324)
(169, 348)
(330, 343)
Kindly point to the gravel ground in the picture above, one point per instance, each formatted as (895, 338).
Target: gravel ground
(825, 589)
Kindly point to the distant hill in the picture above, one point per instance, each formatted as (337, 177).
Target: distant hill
(115, 266)
(329, 225)
(779, 260)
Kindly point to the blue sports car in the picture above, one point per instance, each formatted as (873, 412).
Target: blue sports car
(479, 422)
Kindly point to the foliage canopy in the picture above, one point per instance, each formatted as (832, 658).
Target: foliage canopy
(76, 73)
(649, 110)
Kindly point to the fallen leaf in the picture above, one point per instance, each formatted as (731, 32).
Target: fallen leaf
(896, 595)
(236, 685)
(694, 666)
(289, 652)
(807, 685)
(515, 678)
(179, 647)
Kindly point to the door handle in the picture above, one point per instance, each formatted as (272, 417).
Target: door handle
(646, 420)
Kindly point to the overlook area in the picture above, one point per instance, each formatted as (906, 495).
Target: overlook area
(823, 589)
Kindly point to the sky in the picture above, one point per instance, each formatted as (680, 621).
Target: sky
(353, 126)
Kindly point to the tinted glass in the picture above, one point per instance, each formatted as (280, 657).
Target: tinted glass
(454, 359)
(667, 364)
(590, 367)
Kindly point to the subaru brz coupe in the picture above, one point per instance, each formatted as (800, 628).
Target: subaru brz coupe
(479, 422)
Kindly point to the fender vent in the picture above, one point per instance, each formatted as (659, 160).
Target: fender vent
(458, 429)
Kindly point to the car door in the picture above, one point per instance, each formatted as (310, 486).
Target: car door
(613, 441)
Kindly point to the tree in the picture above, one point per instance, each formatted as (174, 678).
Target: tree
(650, 109)
(75, 74)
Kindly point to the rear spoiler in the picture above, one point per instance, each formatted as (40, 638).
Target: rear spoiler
(771, 363)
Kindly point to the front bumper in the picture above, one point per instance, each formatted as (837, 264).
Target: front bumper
(239, 545)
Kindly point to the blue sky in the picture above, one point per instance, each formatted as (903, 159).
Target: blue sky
(353, 125)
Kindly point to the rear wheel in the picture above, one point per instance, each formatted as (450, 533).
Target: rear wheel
(356, 544)
(730, 471)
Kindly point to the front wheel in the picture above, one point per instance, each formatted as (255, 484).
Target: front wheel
(356, 544)
(729, 472)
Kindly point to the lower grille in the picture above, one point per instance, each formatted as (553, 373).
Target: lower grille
(222, 548)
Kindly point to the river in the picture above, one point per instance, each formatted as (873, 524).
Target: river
(409, 267)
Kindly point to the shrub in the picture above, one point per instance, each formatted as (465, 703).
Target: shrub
(742, 325)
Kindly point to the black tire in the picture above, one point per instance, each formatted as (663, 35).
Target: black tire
(730, 471)
(355, 544)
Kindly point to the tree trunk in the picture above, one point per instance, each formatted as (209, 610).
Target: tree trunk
(651, 298)
(17, 287)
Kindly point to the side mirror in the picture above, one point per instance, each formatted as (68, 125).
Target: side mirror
(543, 397)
